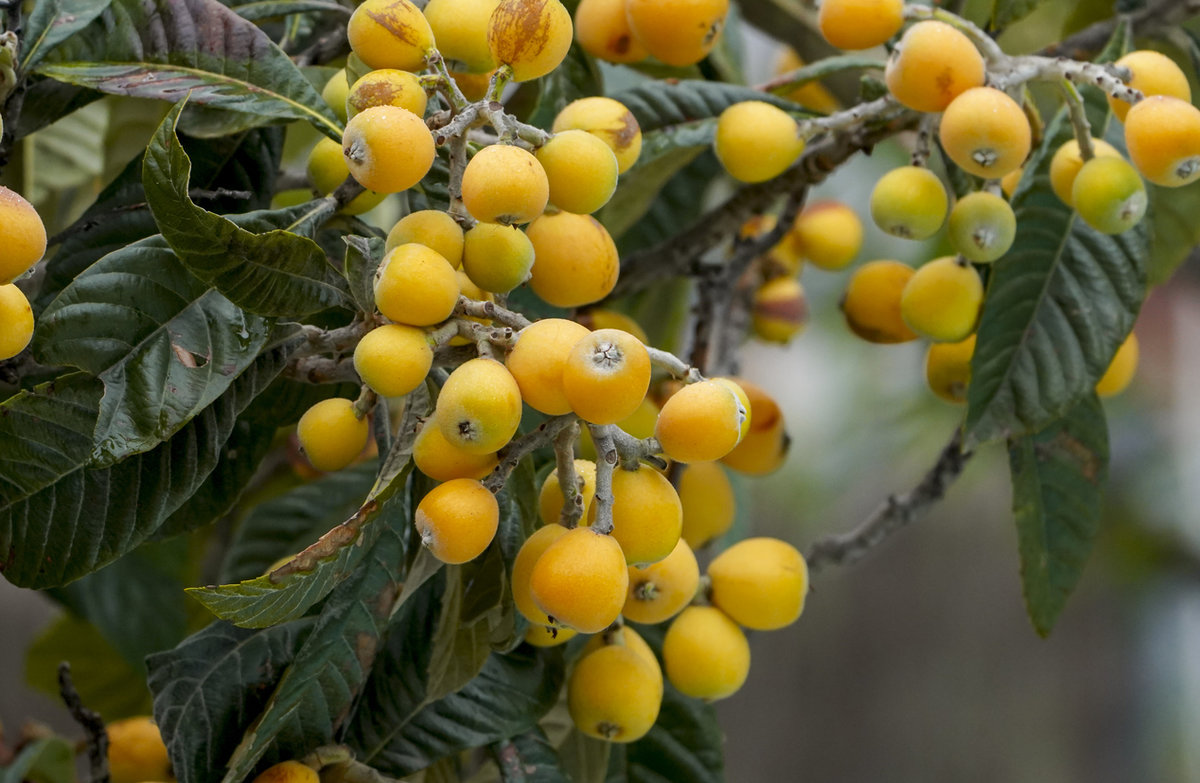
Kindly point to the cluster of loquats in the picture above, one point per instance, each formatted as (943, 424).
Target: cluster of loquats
(24, 245)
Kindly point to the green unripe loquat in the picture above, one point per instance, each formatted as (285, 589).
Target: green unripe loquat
(705, 654)
(859, 24)
(390, 34)
(661, 590)
(614, 694)
(701, 422)
(985, 132)
(575, 259)
(942, 300)
(871, 303)
(610, 121)
(529, 553)
(948, 369)
(909, 202)
(580, 580)
(550, 498)
(678, 32)
(432, 228)
(386, 87)
(1121, 369)
(1067, 162)
(327, 169)
(1109, 195)
(479, 408)
(335, 92)
(415, 285)
(504, 184)
(388, 149)
(828, 234)
(606, 376)
(1153, 74)
(647, 515)
(441, 460)
(602, 30)
(761, 583)
(709, 506)
(16, 321)
(331, 435)
(537, 361)
(982, 226)
(931, 65)
(496, 257)
(136, 751)
(24, 235)
(460, 28)
(1162, 135)
(393, 359)
(457, 520)
(530, 36)
(581, 170)
(756, 141)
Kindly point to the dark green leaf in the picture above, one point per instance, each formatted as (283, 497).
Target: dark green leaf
(1058, 306)
(577, 77)
(664, 154)
(1005, 12)
(1058, 477)
(528, 758)
(677, 204)
(266, 9)
(48, 101)
(276, 273)
(165, 345)
(363, 255)
(584, 758)
(209, 689)
(658, 104)
(824, 67)
(46, 760)
(169, 49)
(52, 22)
(1174, 230)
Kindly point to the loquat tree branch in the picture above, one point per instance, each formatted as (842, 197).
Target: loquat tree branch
(520, 448)
(1157, 18)
(92, 723)
(607, 458)
(894, 513)
(569, 482)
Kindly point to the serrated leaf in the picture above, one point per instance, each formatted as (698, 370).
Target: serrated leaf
(45, 760)
(276, 273)
(1058, 477)
(209, 689)
(317, 690)
(528, 758)
(52, 22)
(106, 681)
(165, 345)
(167, 49)
(363, 255)
(1058, 306)
(1005, 12)
(61, 518)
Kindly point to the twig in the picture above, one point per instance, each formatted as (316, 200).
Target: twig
(1158, 16)
(926, 130)
(894, 513)
(568, 480)
(633, 451)
(93, 725)
(1079, 120)
(520, 448)
(607, 458)
(674, 365)
(490, 311)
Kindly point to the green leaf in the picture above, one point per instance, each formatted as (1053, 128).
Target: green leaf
(660, 104)
(1005, 12)
(165, 345)
(46, 760)
(106, 681)
(319, 687)
(584, 758)
(1058, 477)
(577, 77)
(276, 273)
(1058, 306)
(363, 255)
(209, 689)
(70, 153)
(1174, 230)
(812, 72)
(677, 204)
(51, 23)
(664, 154)
(528, 758)
(60, 517)
(167, 49)
(268, 9)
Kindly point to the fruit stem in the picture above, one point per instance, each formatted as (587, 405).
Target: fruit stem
(519, 448)
(674, 365)
(568, 480)
(607, 458)
(1079, 120)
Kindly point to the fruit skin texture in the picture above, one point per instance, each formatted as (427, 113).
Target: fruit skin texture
(497, 258)
(390, 34)
(909, 202)
(479, 408)
(761, 583)
(388, 149)
(393, 359)
(432, 228)
(828, 234)
(932, 65)
(982, 226)
(529, 553)
(780, 310)
(765, 446)
(457, 520)
(756, 141)
(614, 694)
(1067, 162)
(985, 132)
(709, 506)
(24, 236)
(16, 321)
(1109, 195)
(580, 580)
(705, 653)
(678, 32)
(504, 184)
(136, 751)
(1162, 135)
(331, 435)
(530, 36)
(942, 300)
(581, 170)
(872, 302)
(1121, 369)
(860, 24)
(441, 460)
(386, 87)
(327, 169)
(1153, 74)
(575, 259)
(602, 30)
(550, 498)
(460, 28)
(415, 286)
(610, 121)
(661, 590)
(288, 772)
(948, 369)
(537, 362)
(701, 422)
(606, 376)
(646, 514)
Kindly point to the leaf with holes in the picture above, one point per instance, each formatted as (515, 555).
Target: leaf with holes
(1058, 477)
(169, 49)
